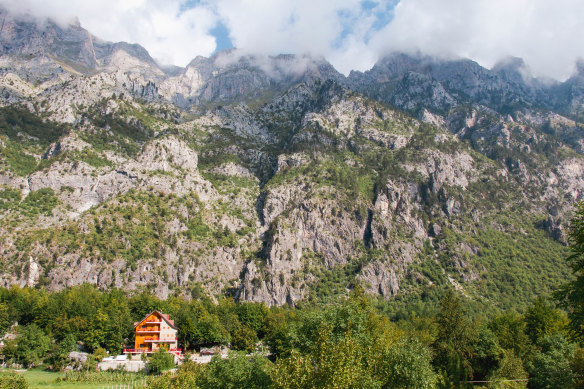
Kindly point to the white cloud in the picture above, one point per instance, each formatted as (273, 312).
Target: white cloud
(274, 26)
(170, 35)
(545, 33)
(333, 29)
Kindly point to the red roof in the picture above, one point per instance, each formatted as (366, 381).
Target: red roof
(166, 318)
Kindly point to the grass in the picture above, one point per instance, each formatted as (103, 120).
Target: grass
(41, 379)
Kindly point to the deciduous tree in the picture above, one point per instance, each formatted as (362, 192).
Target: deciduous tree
(571, 295)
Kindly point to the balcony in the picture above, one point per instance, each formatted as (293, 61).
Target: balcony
(153, 329)
(154, 340)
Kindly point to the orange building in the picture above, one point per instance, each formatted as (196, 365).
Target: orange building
(155, 332)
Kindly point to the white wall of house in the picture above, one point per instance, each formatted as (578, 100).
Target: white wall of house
(168, 333)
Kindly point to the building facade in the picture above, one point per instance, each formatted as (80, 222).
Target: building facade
(155, 332)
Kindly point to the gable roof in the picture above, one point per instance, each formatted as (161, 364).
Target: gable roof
(161, 315)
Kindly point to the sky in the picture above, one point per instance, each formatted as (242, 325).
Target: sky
(351, 34)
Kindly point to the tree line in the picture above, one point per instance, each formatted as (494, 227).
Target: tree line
(348, 343)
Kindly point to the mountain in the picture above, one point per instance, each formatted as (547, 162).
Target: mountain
(278, 179)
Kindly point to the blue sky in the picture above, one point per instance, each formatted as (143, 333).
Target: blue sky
(351, 34)
(381, 10)
(221, 34)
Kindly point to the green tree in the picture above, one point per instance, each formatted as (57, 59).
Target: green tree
(210, 330)
(199, 327)
(339, 364)
(161, 382)
(277, 333)
(9, 350)
(510, 330)
(5, 321)
(577, 365)
(571, 295)
(407, 364)
(120, 324)
(95, 334)
(142, 304)
(99, 354)
(487, 353)
(252, 315)
(187, 375)
(159, 362)
(550, 368)
(236, 372)
(543, 319)
(294, 372)
(454, 343)
(24, 303)
(60, 354)
(33, 345)
(225, 310)
(510, 368)
(244, 339)
(333, 364)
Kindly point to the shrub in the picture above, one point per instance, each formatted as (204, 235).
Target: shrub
(237, 371)
(159, 362)
(12, 381)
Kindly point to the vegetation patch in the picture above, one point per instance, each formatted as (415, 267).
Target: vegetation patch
(39, 202)
(20, 123)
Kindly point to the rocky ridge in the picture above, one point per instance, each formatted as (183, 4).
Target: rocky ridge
(270, 179)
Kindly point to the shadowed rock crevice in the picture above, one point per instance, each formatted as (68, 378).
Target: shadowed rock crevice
(259, 206)
(368, 234)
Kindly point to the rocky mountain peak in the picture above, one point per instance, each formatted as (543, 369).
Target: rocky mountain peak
(71, 44)
(276, 178)
(515, 71)
(579, 68)
(24, 35)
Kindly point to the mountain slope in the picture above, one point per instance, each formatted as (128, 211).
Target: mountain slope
(277, 179)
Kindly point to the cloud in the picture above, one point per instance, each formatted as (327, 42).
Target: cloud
(270, 26)
(333, 29)
(354, 34)
(351, 34)
(544, 33)
(171, 33)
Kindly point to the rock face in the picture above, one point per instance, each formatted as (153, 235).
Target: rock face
(272, 179)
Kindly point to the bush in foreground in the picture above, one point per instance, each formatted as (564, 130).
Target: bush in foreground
(12, 381)
(159, 362)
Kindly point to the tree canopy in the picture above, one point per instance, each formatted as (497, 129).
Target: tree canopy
(571, 295)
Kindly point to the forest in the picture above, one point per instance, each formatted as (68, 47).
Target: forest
(351, 341)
